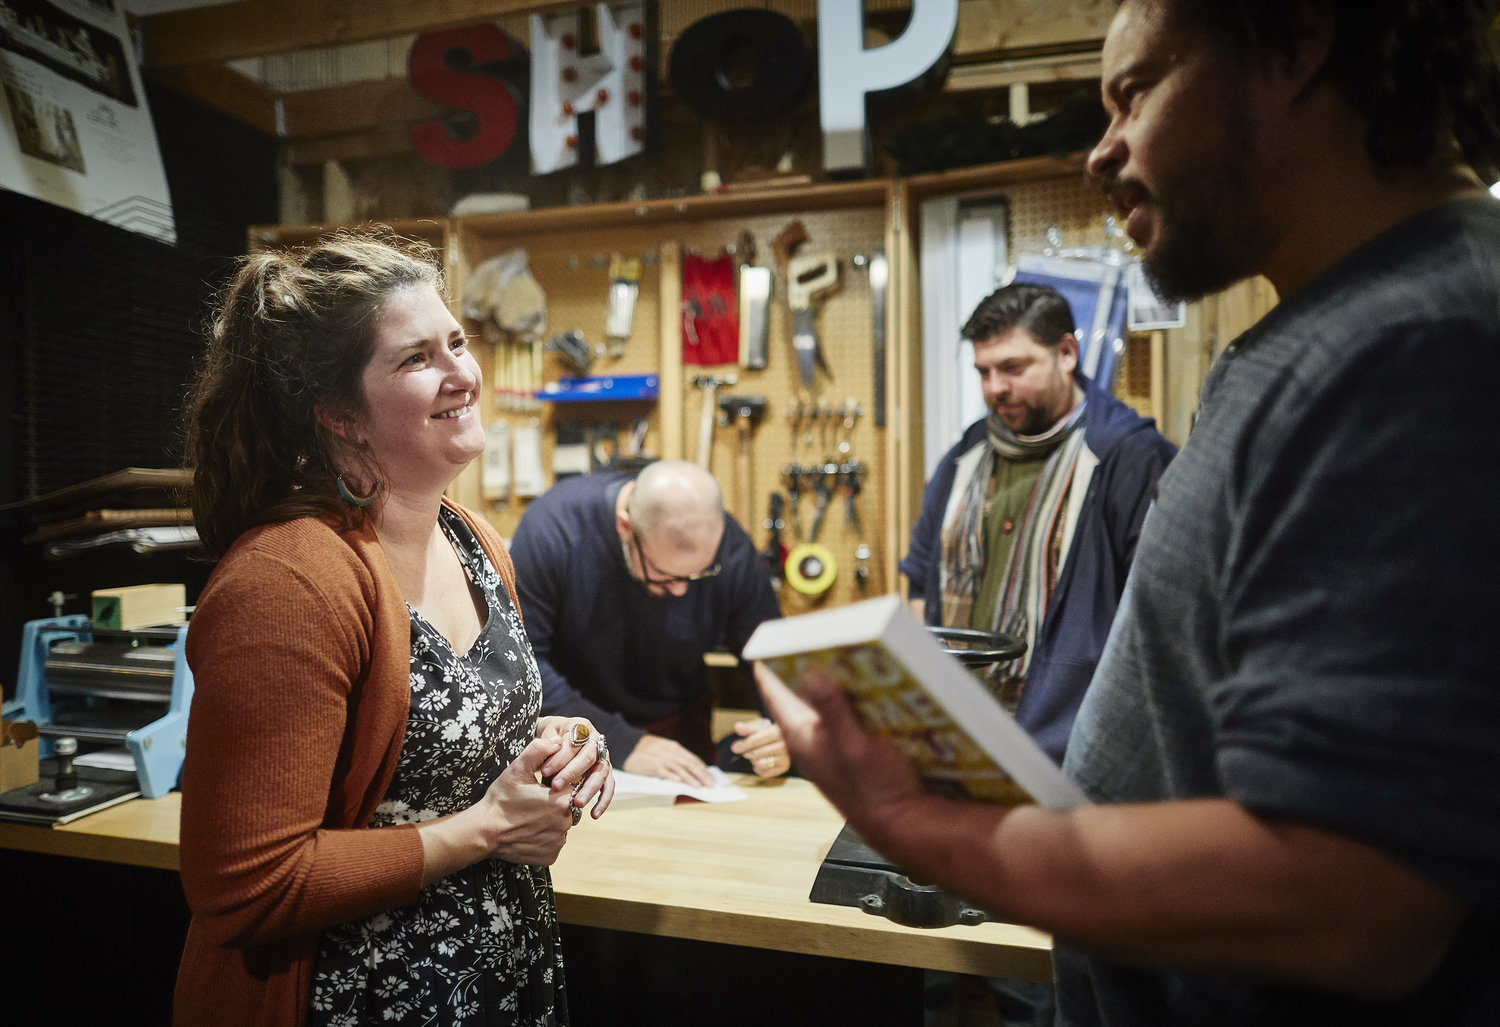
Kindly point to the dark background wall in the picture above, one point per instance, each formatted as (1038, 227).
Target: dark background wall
(99, 328)
(98, 333)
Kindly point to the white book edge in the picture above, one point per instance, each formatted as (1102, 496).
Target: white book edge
(956, 689)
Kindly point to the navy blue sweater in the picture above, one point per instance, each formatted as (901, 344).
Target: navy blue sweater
(608, 649)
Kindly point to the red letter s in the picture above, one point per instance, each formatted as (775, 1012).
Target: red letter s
(487, 97)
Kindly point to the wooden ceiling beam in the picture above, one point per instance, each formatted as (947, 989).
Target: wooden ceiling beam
(356, 107)
(1021, 26)
(385, 141)
(997, 43)
(1005, 72)
(224, 89)
(258, 28)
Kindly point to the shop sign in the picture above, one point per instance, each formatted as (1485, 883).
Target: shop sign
(474, 69)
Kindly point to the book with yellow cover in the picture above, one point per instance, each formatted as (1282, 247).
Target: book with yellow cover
(907, 688)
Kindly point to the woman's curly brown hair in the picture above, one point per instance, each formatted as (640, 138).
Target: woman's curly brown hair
(290, 333)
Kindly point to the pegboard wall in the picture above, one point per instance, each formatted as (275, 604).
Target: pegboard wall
(1133, 379)
(810, 436)
(799, 439)
(1068, 212)
(1076, 210)
(1071, 205)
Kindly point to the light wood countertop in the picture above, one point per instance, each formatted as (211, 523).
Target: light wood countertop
(737, 873)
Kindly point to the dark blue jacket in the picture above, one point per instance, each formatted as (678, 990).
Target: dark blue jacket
(1132, 456)
(607, 648)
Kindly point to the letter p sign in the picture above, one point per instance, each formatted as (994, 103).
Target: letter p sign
(847, 72)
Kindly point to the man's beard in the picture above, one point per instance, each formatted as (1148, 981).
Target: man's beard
(1207, 238)
(1037, 422)
(1192, 261)
(1038, 419)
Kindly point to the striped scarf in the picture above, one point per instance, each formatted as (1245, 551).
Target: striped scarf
(1041, 537)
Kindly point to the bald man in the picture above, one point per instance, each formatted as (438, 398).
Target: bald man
(625, 582)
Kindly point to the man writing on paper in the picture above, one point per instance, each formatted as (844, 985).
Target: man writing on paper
(1291, 734)
(630, 580)
(1030, 521)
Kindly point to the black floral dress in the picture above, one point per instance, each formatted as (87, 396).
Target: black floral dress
(479, 947)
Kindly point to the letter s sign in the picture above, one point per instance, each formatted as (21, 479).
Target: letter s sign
(489, 98)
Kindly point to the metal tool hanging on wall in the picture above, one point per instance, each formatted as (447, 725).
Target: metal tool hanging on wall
(809, 277)
(880, 276)
(624, 286)
(744, 412)
(793, 496)
(852, 475)
(810, 565)
(573, 348)
(755, 307)
(774, 554)
(709, 385)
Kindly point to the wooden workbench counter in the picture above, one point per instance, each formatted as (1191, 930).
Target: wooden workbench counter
(737, 873)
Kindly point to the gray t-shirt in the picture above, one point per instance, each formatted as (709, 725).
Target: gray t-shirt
(1310, 628)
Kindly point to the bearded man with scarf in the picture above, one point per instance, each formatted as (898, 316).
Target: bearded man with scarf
(1030, 521)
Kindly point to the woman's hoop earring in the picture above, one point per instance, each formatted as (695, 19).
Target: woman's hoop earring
(359, 501)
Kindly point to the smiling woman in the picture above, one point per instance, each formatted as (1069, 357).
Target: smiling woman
(419, 424)
(368, 779)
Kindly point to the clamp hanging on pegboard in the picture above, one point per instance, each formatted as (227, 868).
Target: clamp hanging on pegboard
(852, 476)
(810, 566)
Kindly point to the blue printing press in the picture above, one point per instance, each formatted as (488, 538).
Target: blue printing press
(110, 687)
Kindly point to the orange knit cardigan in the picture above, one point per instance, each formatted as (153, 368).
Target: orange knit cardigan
(300, 647)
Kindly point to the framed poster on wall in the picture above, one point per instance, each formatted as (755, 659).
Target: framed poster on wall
(74, 126)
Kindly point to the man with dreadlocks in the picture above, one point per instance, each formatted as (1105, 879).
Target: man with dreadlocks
(1290, 738)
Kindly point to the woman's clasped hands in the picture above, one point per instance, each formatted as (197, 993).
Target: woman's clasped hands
(579, 768)
(542, 794)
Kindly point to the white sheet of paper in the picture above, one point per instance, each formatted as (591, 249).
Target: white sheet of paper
(642, 789)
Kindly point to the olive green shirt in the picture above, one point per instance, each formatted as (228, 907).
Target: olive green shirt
(1010, 489)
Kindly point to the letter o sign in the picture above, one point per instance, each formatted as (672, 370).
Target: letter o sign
(780, 64)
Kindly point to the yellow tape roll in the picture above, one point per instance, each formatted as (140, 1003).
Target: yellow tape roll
(810, 568)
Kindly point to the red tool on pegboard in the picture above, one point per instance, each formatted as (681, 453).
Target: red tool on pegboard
(710, 319)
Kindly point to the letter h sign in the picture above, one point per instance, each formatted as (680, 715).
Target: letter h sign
(610, 83)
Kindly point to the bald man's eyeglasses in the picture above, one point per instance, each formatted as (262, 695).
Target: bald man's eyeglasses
(670, 580)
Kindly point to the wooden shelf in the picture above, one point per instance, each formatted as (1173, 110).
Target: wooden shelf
(991, 176)
(699, 207)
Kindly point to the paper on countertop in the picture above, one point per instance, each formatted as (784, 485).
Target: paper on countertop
(630, 789)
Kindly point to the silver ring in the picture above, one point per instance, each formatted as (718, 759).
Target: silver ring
(603, 747)
(577, 815)
(578, 733)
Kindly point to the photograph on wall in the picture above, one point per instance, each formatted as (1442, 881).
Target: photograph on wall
(76, 129)
(1148, 311)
